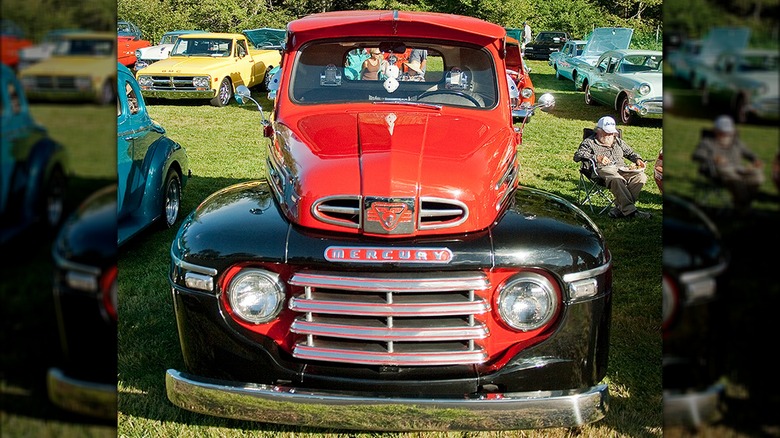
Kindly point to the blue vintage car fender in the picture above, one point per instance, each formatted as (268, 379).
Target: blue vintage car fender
(164, 155)
(45, 157)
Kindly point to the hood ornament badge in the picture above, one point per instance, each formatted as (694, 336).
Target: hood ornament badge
(390, 119)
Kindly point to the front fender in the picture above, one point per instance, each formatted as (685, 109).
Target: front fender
(162, 156)
(45, 156)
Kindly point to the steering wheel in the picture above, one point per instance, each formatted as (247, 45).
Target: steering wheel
(461, 94)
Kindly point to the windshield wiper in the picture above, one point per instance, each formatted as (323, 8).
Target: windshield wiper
(409, 102)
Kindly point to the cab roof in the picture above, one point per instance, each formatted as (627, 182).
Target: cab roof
(402, 24)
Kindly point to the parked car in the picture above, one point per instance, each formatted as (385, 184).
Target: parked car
(521, 76)
(152, 168)
(545, 43)
(699, 55)
(629, 81)
(126, 28)
(43, 49)
(600, 40)
(12, 40)
(34, 168)
(148, 55)
(745, 82)
(126, 48)
(694, 264)
(570, 49)
(85, 274)
(82, 68)
(338, 302)
(207, 66)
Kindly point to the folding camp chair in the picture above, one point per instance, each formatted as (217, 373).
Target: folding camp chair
(708, 188)
(592, 190)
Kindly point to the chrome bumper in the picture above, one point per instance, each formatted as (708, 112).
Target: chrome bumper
(694, 408)
(648, 108)
(173, 94)
(362, 411)
(88, 398)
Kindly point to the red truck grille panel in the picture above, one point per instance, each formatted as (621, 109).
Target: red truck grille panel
(347, 211)
(390, 319)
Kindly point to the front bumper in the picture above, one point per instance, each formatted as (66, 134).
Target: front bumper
(178, 94)
(81, 396)
(361, 411)
(766, 109)
(692, 408)
(653, 108)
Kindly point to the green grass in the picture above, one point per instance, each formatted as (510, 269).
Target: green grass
(225, 147)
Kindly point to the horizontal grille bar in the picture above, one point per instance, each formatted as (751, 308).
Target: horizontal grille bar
(403, 355)
(410, 282)
(452, 329)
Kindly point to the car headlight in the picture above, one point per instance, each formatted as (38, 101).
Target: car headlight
(644, 89)
(28, 81)
(527, 302)
(83, 82)
(145, 81)
(256, 295)
(138, 54)
(527, 92)
(200, 81)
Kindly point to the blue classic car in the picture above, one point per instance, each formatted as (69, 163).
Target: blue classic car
(629, 81)
(569, 50)
(600, 40)
(152, 169)
(33, 167)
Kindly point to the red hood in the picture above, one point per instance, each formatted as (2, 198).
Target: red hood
(397, 155)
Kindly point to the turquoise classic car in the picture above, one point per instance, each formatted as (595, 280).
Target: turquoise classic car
(599, 41)
(152, 169)
(33, 166)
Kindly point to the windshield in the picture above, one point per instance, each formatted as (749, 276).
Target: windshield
(214, 47)
(394, 71)
(84, 47)
(641, 63)
(549, 37)
(169, 39)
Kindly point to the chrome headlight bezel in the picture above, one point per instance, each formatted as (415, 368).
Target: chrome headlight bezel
(256, 295)
(145, 81)
(527, 301)
(644, 89)
(201, 81)
(527, 92)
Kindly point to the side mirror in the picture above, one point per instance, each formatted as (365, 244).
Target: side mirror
(546, 101)
(242, 94)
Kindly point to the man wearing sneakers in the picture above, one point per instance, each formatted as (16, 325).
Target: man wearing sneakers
(609, 151)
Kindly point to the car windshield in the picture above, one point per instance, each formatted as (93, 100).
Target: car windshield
(548, 37)
(169, 39)
(214, 47)
(641, 63)
(84, 47)
(429, 73)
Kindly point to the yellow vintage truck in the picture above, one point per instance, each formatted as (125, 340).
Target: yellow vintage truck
(210, 65)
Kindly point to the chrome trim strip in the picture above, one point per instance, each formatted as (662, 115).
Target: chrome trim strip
(367, 411)
(574, 276)
(382, 282)
(433, 358)
(427, 213)
(316, 210)
(89, 398)
(64, 263)
(300, 304)
(712, 271)
(191, 267)
(389, 334)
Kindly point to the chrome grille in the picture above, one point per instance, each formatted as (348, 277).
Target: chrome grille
(172, 83)
(390, 319)
(53, 83)
(434, 213)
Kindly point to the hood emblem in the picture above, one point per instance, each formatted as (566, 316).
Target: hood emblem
(374, 254)
(389, 216)
(390, 119)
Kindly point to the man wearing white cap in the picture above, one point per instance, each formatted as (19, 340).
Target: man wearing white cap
(724, 156)
(609, 152)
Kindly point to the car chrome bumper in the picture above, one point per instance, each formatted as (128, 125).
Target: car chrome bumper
(89, 398)
(362, 411)
(178, 94)
(650, 108)
(692, 408)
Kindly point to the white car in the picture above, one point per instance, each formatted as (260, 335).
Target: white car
(44, 49)
(629, 81)
(149, 55)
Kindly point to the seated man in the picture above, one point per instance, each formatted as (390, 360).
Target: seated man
(609, 151)
(723, 156)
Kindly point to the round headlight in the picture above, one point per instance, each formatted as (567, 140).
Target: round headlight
(200, 81)
(644, 89)
(83, 82)
(527, 92)
(527, 302)
(145, 81)
(138, 54)
(256, 295)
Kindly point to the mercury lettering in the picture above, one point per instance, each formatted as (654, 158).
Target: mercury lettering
(386, 255)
